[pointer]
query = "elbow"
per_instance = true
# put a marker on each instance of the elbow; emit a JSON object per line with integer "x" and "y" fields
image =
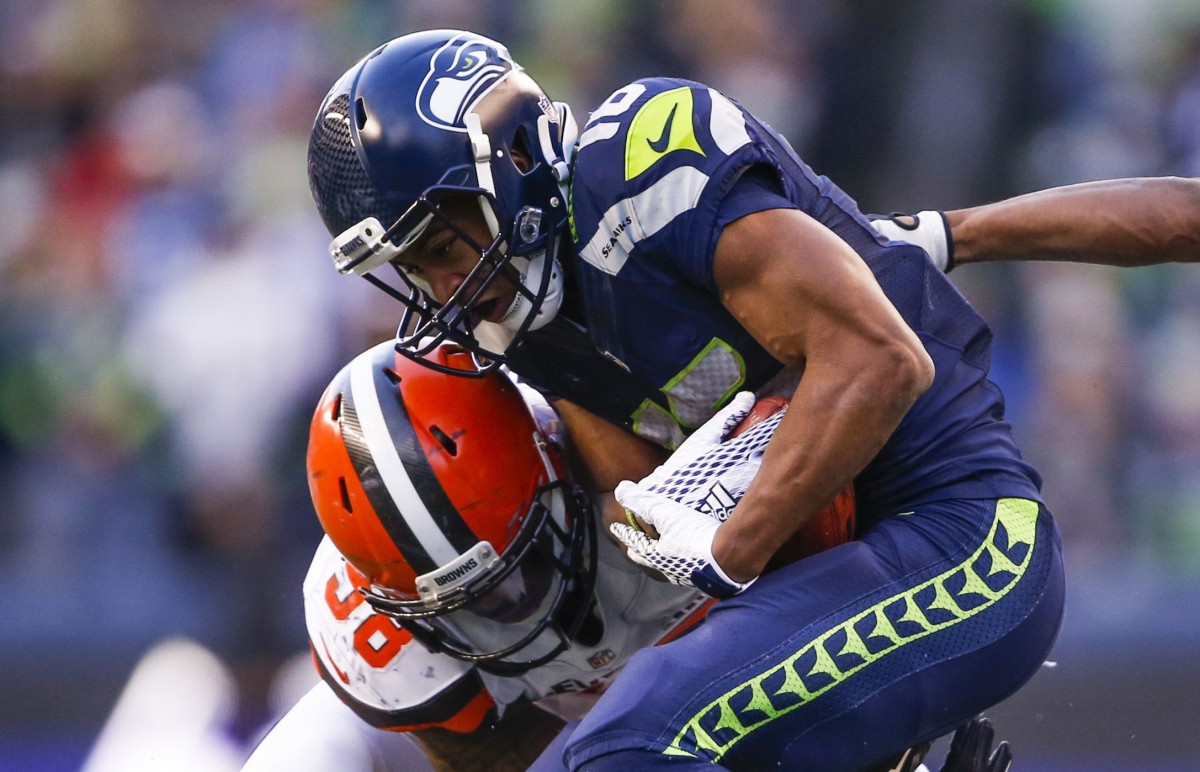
{"x": 1178, "y": 224}
{"x": 909, "y": 371}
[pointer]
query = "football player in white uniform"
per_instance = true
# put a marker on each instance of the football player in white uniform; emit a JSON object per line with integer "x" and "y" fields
{"x": 461, "y": 579}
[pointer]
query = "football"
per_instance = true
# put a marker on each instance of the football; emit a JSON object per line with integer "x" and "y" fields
{"x": 762, "y": 410}
{"x": 832, "y": 526}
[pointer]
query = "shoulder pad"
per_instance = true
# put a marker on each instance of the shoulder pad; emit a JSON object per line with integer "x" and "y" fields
{"x": 646, "y": 158}
{"x": 374, "y": 666}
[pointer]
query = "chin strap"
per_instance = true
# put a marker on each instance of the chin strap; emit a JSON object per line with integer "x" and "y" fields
{"x": 557, "y": 145}
{"x": 568, "y": 138}
{"x": 481, "y": 148}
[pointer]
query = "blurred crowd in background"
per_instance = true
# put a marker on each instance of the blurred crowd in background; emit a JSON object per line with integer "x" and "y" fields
{"x": 169, "y": 314}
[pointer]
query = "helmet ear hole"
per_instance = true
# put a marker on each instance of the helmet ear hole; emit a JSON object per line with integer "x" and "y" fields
{"x": 445, "y": 440}
{"x": 360, "y": 113}
{"x": 522, "y": 155}
{"x": 345, "y": 495}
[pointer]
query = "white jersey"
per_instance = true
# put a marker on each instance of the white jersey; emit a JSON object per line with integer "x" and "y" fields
{"x": 394, "y": 682}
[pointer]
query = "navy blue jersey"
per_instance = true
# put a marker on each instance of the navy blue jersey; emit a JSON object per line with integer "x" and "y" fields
{"x": 651, "y": 192}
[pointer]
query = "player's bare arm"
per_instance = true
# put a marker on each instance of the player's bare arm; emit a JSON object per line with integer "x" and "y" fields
{"x": 1125, "y": 222}
{"x": 508, "y": 745}
{"x": 807, "y": 297}
{"x": 606, "y": 454}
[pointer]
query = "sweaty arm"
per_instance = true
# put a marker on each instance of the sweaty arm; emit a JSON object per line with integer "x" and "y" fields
{"x": 811, "y": 301}
{"x": 1125, "y": 222}
{"x": 604, "y": 454}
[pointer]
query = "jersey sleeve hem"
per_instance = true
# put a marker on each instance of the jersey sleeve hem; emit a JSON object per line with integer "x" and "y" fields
{"x": 463, "y": 706}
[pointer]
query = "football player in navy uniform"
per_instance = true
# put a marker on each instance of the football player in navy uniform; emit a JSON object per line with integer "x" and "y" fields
{"x": 642, "y": 273}
{"x": 464, "y": 605}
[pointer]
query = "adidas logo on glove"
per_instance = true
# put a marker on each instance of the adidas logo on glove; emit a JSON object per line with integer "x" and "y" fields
{"x": 718, "y": 503}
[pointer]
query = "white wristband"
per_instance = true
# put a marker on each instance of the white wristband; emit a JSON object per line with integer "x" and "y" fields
{"x": 927, "y": 231}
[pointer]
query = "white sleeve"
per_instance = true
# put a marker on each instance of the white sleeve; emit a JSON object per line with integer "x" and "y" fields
{"x": 320, "y": 734}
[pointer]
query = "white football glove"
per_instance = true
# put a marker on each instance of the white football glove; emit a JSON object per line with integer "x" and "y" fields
{"x": 928, "y": 230}
{"x": 714, "y": 481}
{"x": 704, "y": 439}
{"x": 691, "y": 494}
{"x": 683, "y": 551}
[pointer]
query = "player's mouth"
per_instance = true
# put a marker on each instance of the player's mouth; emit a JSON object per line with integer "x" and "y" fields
{"x": 494, "y": 310}
{"x": 485, "y": 310}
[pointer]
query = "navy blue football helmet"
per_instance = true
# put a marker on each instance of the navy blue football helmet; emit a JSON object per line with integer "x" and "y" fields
{"x": 426, "y": 117}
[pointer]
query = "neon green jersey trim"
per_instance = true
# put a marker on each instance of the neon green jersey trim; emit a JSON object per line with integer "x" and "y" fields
{"x": 1018, "y": 517}
{"x": 663, "y": 125}
{"x": 693, "y": 394}
{"x": 657, "y": 425}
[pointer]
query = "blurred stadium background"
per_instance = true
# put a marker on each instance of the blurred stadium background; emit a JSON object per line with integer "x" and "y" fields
{"x": 168, "y": 317}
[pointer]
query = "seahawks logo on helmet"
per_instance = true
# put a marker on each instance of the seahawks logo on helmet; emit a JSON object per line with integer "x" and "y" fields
{"x": 460, "y": 74}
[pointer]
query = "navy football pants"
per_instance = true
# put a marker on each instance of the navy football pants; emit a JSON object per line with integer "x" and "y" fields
{"x": 846, "y": 658}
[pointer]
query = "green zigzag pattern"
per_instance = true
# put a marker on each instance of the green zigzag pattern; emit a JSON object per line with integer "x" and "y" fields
{"x": 1019, "y": 518}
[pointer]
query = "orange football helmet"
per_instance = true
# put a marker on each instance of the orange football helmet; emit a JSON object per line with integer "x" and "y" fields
{"x": 451, "y": 497}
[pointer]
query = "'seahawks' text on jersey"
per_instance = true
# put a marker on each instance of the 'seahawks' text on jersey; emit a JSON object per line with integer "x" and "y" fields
{"x": 653, "y": 348}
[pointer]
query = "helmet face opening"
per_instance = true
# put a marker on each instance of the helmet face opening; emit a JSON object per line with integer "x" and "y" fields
{"x": 435, "y": 114}
{"x": 455, "y": 506}
{"x": 521, "y": 593}
{"x": 519, "y": 615}
{"x": 427, "y": 323}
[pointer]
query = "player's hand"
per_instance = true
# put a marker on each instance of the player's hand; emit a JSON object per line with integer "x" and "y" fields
{"x": 971, "y": 749}
{"x": 704, "y": 439}
{"x": 683, "y": 550}
{"x": 710, "y": 473}
{"x": 928, "y": 230}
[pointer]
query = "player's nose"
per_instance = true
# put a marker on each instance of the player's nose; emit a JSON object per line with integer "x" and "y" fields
{"x": 445, "y": 283}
